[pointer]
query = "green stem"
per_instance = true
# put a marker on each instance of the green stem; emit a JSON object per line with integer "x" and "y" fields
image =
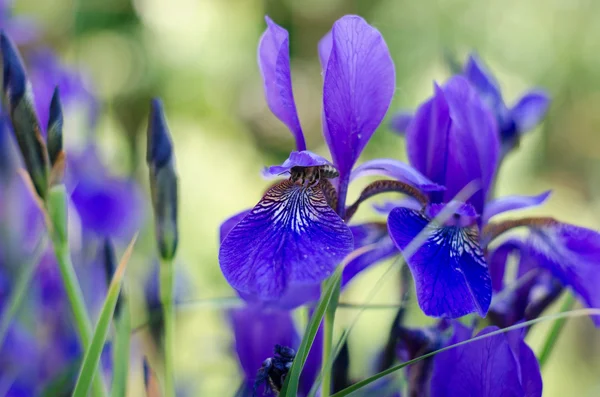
{"x": 166, "y": 297}
{"x": 57, "y": 211}
{"x": 554, "y": 333}
{"x": 328, "y": 321}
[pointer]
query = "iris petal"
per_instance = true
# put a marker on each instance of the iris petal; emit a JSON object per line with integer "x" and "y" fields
{"x": 304, "y": 158}
{"x": 486, "y": 368}
{"x": 274, "y": 63}
{"x": 571, "y": 253}
{"x": 530, "y": 110}
{"x": 291, "y": 236}
{"x": 484, "y": 82}
{"x": 450, "y": 272}
{"x": 510, "y": 203}
{"x": 398, "y": 170}
{"x": 358, "y": 87}
{"x": 453, "y": 140}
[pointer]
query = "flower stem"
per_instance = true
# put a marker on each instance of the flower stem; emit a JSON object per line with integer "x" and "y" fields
{"x": 57, "y": 211}
{"x": 327, "y": 347}
{"x": 166, "y": 297}
{"x": 555, "y": 331}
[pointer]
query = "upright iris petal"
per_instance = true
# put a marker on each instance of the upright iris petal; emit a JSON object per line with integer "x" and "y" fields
{"x": 449, "y": 269}
{"x": 274, "y": 63}
{"x": 514, "y": 122}
{"x": 453, "y": 141}
{"x": 358, "y": 87}
{"x": 291, "y": 237}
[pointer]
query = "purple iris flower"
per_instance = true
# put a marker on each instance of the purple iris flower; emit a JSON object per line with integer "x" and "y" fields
{"x": 453, "y": 140}
{"x": 500, "y": 365}
{"x": 512, "y": 122}
{"x": 256, "y": 333}
{"x": 296, "y": 235}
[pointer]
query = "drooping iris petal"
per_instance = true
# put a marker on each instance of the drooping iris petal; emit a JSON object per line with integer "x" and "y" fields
{"x": 229, "y": 224}
{"x": 509, "y": 203}
{"x": 398, "y": 170}
{"x": 530, "y": 110}
{"x": 256, "y": 333}
{"x": 290, "y": 237}
{"x": 294, "y": 296}
{"x": 274, "y": 63}
{"x": 304, "y": 158}
{"x": 358, "y": 88}
{"x": 373, "y": 234}
{"x": 401, "y": 121}
{"x": 571, "y": 253}
{"x": 529, "y": 367}
{"x": 449, "y": 270}
{"x": 486, "y": 368}
{"x": 498, "y": 259}
{"x": 453, "y": 140}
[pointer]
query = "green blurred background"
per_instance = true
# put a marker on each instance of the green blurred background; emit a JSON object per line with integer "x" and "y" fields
{"x": 200, "y": 57}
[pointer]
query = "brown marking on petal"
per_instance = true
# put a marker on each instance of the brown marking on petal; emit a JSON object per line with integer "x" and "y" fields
{"x": 385, "y": 186}
{"x": 493, "y": 230}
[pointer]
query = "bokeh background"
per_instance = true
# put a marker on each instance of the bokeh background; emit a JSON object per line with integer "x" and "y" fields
{"x": 199, "y": 56}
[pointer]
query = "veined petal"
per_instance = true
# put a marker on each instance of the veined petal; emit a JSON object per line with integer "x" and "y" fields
{"x": 398, "y": 170}
{"x": 401, "y": 121}
{"x": 449, "y": 270}
{"x": 510, "y": 203}
{"x": 529, "y": 368}
{"x": 359, "y": 85}
{"x": 290, "y": 237}
{"x": 453, "y": 140}
{"x": 530, "y": 110}
{"x": 274, "y": 63}
{"x": 230, "y": 223}
{"x": 572, "y": 254}
{"x": 374, "y": 234}
{"x": 304, "y": 158}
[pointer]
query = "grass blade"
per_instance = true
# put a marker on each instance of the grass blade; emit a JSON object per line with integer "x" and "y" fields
{"x": 359, "y": 385}
{"x": 290, "y": 387}
{"x": 121, "y": 351}
{"x": 94, "y": 351}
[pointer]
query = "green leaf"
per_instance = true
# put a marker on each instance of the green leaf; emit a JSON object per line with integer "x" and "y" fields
{"x": 94, "y": 351}
{"x": 290, "y": 387}
{"x": 121, "y": 351}
{"x": 363, "y": 383}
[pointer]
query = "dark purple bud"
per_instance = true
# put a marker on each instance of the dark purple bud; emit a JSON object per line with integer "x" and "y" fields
{"x": 109, "y": 261}
{"x": 54, "y": 140}
{"x": 163, "y": 181}
{"x": 18, "y": 99}
{"x": 341, "y": 369}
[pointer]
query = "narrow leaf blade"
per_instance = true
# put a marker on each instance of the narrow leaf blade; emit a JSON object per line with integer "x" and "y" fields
{"x": 94, "y": 351}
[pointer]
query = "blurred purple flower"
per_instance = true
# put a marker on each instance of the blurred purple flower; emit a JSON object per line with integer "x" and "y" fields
{"x": 500, "y": 365}
{"x": 293, "y": 237}
{"x": 22, "y": 29}
{"x": 107, "y": 205}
